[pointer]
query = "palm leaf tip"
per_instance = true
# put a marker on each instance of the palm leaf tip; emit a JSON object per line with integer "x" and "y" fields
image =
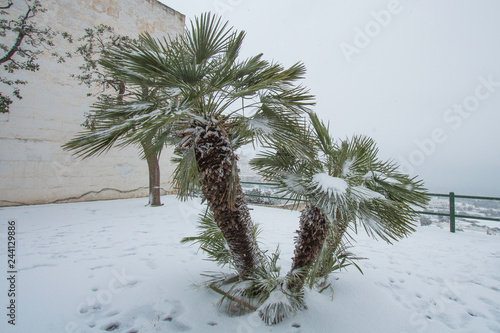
{"x": 279, "y": 305}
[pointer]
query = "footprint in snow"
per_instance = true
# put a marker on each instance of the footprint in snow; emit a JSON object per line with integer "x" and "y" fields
{"x": 113, "y": 326}
{"x": 100, "y": 266}
{"x": 128, "y": 254}
{"x": 168, "y": 311}
{"x": 35, "y": 266}
{"x": 150, "y": 263}
{"x": 112, "y": 313}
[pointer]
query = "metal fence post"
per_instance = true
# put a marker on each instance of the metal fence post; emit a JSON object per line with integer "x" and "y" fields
{"x": 452, "y": 212}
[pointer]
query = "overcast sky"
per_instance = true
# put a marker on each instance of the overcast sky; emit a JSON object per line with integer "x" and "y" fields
{"x": 422, "y": 77}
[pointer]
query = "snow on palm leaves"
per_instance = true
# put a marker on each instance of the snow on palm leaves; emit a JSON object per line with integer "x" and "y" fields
{"x": 345, "y": 186}
{"x": 215, "y": 104}
{"x": 221, "y": 103}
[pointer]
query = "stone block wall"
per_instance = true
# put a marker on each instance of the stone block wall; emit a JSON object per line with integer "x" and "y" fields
{"x": 33, "y": 167}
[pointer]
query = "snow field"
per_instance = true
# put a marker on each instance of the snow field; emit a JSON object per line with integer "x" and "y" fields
{"x": 119, "y": 266}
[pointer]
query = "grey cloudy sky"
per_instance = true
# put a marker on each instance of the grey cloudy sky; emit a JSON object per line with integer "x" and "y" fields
{"x": 421, "y": 77}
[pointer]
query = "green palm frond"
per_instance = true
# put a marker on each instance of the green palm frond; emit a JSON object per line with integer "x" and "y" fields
{"x": 287, "y": 167}
{"x": 270, "y": 287}
{"x": 271, "y": 126}
{"x": 186, "y": 174}
{"x": 209, "y": 36}
{"x": 346, "y": 180}
{"x": 265, "y": 289}
{"x": 352, "y": 158}
{"x": 198, "y": 77}
{"x": 211, "y": 239}
{"x": 122, "y": 124}
{"x": 332, "y": 258}
{"x": 325, "y": 142}
{"x": 279, "y": 305}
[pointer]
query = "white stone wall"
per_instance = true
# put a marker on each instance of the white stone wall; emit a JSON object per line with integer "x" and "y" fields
{"x": 33, "y": 167}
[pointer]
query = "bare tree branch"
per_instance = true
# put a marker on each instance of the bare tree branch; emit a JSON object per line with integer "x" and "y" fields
{"x": 19, "y": 39}
{"x": 8, "y": 6}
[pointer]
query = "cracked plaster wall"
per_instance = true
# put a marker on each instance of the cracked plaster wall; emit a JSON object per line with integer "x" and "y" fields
{"x": 33, "y": 167}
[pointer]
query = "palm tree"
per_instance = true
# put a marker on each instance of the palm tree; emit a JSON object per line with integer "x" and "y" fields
{"x": 345, "y": 185}
{"x": 111, "y": 122}
{"x": 95, "y": 139}
{"x": 216, "y": 104}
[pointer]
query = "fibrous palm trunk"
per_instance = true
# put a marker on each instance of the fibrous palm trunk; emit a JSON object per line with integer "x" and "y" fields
{"x": 222, "y": 190}
{"x": 308, "y": 243}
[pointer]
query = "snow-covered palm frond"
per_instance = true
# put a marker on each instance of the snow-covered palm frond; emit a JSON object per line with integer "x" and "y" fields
{"x": 122, "y": 124}
{"x": 284, "y": 169}
{"x": 276, "y": 300}
{"x": 203, "y": 65}
{"x": 332, "y": 258}
{"x": 266, "y": 289}
{"x": 251, "y": 100}
{"x": 372, "y": 193}
{"x": 387, "y": 180}
{"x": 279, "y": 305}
{"x": 211, "y": 239}
{"x": 392, "y": 211}
{"x": 330, "y": 194}
{"x": 186, "y": 170}
{"x": 351, "y": 187}
{"x": 388, "y": 219}
{"x": 291, "y": 168}
{"x": 352, "y": 158}
{"x": 268, "y": 126}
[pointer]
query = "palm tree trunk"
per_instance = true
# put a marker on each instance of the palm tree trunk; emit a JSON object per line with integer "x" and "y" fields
{"x": 221, "y": 187}
{"x": 153, "y": 161}
{"x": 308, "y": 243}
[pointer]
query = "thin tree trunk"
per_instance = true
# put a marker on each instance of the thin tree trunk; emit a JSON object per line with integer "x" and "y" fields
{"x": 308, "y": 244}
{"x": 221, "y": 187}
{"x": 154, "y": 180}
{"x": 153, "y": 160}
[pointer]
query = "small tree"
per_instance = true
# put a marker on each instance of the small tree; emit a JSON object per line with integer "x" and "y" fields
{"x": 125, "y": 96}
{"x": 22, "y": 41}
{"x": 345, "y": 186}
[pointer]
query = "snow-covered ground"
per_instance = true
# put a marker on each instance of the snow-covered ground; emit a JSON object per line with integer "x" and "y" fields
{"x": 118, "y": 266}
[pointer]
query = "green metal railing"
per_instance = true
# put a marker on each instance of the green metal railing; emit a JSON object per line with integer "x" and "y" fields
{"x": 452, "y": 212}
{"x": 451, "y": 198}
